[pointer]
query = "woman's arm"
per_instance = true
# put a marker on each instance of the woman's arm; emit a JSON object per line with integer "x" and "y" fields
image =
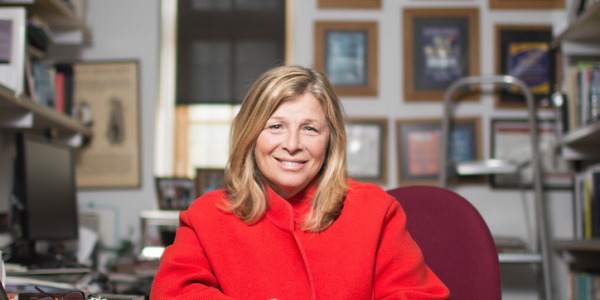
{"x": 184, "y": 271}
{"x": 400, "y": 271}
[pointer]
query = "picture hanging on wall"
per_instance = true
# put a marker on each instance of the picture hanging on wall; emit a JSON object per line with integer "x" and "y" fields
{"x": 527, "y": 4}
{"x": 347, "y": 53}
{"x": 362, "y": 4}
{"x": 419, "y": 149}
{"x": 523, "y": 51}
{"x": 440, "y": 46}
{"x": 367, "y": 149}
{"x": 109, "y": 90}
{"x": 511, "y": 141}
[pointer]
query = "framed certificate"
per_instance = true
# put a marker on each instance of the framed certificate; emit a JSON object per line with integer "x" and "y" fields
{"x": 511, "y": 141}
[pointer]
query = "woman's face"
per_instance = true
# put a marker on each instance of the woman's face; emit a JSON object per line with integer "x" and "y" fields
{"x": 292, "y": 146}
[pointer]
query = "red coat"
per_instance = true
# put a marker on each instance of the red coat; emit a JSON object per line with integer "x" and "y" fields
{"x": 365, "y": 254}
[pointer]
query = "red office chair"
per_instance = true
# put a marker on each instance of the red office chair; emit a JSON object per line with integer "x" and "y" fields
{"x": 455, "y": 241}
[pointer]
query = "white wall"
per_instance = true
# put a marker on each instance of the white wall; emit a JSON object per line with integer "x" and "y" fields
{"x": 130, "y": 29}
{"x": 126, "y": 30}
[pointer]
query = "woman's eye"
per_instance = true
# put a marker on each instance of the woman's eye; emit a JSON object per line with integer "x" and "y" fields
{"x": 276, "y": 126}
{"x": 310, "y": 128}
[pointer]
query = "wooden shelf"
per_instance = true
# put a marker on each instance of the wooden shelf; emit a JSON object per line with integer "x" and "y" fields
{"x": 592, "y": 245}
{"x": 21, "y": 113}
{"x": 66, "y": 27}
{"x": 583, "y": 255}
{"x": 582, "y": 143}
{"x": 585, "y": 28}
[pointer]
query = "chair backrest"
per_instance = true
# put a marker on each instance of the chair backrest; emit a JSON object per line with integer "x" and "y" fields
{"x": 455, "y": 240}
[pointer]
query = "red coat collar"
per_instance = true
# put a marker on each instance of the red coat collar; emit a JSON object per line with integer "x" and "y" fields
{"x": 280, "y": 211}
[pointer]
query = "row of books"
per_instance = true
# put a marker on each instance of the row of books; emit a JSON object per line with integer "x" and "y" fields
{"x": 581, "y": 105}
{"x": 584, "y": 286}
{"x": 50, "y": 84}
{"x": 586, "y": 201}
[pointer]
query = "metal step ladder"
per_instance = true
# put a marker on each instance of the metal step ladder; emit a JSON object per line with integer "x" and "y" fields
{"x": 489, "y": 167}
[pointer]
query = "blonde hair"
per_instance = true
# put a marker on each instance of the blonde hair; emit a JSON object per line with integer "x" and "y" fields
{"x": 244, "y": 183}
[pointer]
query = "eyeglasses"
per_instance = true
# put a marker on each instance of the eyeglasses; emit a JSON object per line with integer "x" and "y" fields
{"x": 75, "y": 295}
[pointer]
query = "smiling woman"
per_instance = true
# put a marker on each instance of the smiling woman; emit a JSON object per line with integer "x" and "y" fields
{"x": 288, "y": 204}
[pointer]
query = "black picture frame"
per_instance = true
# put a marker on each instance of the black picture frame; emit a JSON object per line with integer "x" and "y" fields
{"x": 175, "y": 193}
{"x": 524, "y": 51}
{"x": 510, "y": 140}
{"x": 208, "y": 180}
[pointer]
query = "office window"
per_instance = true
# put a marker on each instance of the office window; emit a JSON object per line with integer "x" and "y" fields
{"x": 211, "y": 52}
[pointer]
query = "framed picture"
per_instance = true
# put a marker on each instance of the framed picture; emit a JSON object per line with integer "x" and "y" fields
{"x": 527, "y": 4}
{"x": 511, "y": 141}
{"x": 523, "y": 51}
{"x": 110, "y": 92}
{"x": 349, "y": 3}
{"x": 347, "y": 53}
{"x": 419, "y": 149}
{"x": 208, "y": 180}
{"x": 440, "y": 46}
{"x": 367, "y": 149}
{"x": 174, "y": 193}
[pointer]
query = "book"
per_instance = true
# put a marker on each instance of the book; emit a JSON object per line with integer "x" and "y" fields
{"x": 38, "y": 33}
{"x": 66, "y": 71}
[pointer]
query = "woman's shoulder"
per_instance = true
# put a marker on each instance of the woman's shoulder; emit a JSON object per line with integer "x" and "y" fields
{"x": 361, "y": 191}
{"x": 209, "y": 201}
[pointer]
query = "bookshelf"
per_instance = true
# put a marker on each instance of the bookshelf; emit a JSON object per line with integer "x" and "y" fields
{"x": 67, "y": 27}
{"x": 580, "y": 41}
{"x": 21, "y": 113}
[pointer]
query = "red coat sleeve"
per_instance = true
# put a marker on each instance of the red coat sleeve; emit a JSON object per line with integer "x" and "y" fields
{"x": 400, "y": 271}
{"x": 184, "y": 271}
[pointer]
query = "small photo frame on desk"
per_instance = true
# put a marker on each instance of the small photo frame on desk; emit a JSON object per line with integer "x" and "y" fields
{"x": 366, "y": 149}
{"x": 347, "y": 53}
{"x": 419, "y": 149}
{"x": 511, "y": 141}
{"x": 175, "y": 193}
{"x": 523, "y": 51}
{"x": 208, "y": 180}
{"x": 440, "y": 46}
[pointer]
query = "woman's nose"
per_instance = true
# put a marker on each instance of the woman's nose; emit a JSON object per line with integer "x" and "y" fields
{"x": 292, "y": 141}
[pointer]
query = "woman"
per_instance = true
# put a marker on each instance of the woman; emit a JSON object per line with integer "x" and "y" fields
{"x": 289, "y": 224}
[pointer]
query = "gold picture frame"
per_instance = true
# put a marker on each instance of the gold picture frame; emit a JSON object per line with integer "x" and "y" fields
{"x": 347, "y": 53}
{"x": 366, "y": 151}
{"x": 360, "y": 4}
{"x": 418, "y": 148}
{"x": 110, "y": 92}
{"x": 440, "y": 46}
{"x": 527, "y": 4}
